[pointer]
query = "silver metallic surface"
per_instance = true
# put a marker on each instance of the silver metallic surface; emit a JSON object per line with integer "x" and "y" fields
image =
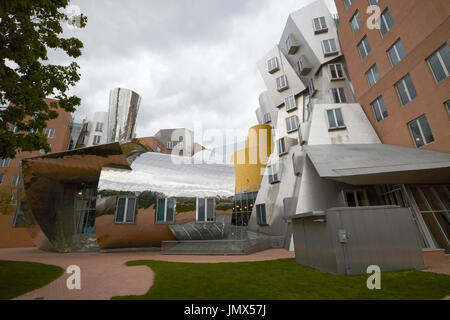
{"x": 123, "y": 110}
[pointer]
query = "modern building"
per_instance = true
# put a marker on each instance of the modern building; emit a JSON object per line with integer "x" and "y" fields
{"x": 94, "y": 130}
{"x": 400, "y": 69}
{"x": 311, "y": 105}
{"x": 123, "y": 110}
{"x": 11, "y": 183}
{"x": 179, "y": 141}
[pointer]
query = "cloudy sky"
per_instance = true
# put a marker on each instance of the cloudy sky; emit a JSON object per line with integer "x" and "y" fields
{"x": 190, "y": 60}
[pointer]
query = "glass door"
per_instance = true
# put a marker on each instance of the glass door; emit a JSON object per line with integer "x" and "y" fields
{"x": 85, "y": 203}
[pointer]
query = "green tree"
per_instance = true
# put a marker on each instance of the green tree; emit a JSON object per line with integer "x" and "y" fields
{"x": 28, "y": 29}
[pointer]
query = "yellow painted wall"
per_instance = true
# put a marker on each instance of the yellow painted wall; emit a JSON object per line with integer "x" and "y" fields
{"x": 251, "y": 162}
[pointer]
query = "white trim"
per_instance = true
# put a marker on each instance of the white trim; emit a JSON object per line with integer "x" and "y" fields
{"x": 206, "y": 210}
{"x": 125, "y": 210}
{"x": 334, "y": 66}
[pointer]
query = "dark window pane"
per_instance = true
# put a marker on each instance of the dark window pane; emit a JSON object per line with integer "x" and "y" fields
{"x": 170, "y": 210}
{"x": 212, "y": 209}
{"x": 376, "y": 110}
{"x": 340, "y": 119}
{"x": 437, "y": 67}
{"x": 350, "y": 197}
{"x": 445, "y": 55}
{"x": 415, "y": 131}
{"x": 160, "y": 210}
{"x": 201, "y": 209}
{"x": 120, "y": 210}
{"x": 331, "y": 120}
{"x": 410, "y": 86}
{"x": 131, "y": 210}
{"x": 426, "y": 130}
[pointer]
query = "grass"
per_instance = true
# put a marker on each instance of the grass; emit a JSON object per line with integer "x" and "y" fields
{"x": 282, "y": 280}
{"x": 18, "y": 278}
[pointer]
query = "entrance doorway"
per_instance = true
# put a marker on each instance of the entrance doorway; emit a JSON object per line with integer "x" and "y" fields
{"x": 85, "y": 202}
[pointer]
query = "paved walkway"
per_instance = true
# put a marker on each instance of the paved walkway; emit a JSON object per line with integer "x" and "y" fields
{"x": 104, "y": 275}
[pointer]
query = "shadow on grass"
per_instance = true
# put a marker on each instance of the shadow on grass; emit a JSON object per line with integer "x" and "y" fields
{"x": 282, "y": 280}
{"x": 18, "y": 278}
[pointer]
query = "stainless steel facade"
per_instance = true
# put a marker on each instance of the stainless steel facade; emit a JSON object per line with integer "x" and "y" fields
{"x": 123, "y": 110}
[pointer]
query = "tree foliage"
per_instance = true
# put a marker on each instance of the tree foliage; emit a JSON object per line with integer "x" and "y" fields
{"x": 28, "y": 30}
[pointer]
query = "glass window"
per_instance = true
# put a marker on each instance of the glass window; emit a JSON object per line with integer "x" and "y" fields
{"x": 364, "y": 48}
{"x": 379, "y": 108}
{"x": 282, "y": 146}
{"x": 439, "y": 63}
{"x": 261, "y": 217}
{"x": 125, "y": 210}
{"x": 386, "y": 22}
{"x": 348, "y": 3}
{"x": 357, "y": 198}
{"x": 99, "y": 126}
{"x": 19, "y": 163}
{"x": 272, "y": 65}
{"x": 267, "y": 118}
{"x": 97, "y": 140}
{"x": 282, "y": 83}
{"x": 421, "y": 132}
{"x": 273, "y": 173}
{"x": 291, "y": 124}
{"x": 373, "y": 76}
{"x": 447, "y": 105}
{"x": 336, "y": 71}
{"x": 406, "y": 90}
{"x": 15, "y": 180}
{"x": 396, "y": 53}
{"x": 4, "y": 162}
{"x": 320, "y": 24}
{"x": 1, "y": 177}
{"x": 356, "y": 22}
{"x": 373, "y": 2}
{"x": 335, "y": 119}
{"x": 290, "y": 103}
{"x": 166, "y": 211}
{"x": 329, "y": 47}
{"x": 50, "y": 133}
{"x": 201, "y": 205}
{"x": 206, "y": 210}
{"x": 338, "y": 95}
{"x": 311, "y": 87}
{"x": 169, "y": 145}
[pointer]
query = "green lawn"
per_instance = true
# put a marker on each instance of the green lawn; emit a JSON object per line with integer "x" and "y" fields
{"x": 17, "y": 278}
{"x": 282, "y": 280}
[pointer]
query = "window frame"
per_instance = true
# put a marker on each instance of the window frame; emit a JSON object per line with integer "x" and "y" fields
{"x": 322, "y": 28}
{"x": 383, "y": 19}
{"x": 272, "y": 173}
{"x": 367, "y": 49}
{"x": 279, "y": 81}
{"x": 271, "y": 66}
{"x": 282, "y": 151}
{"x": 441, "y": 63}
{"x": 206, "y": 210}
{"x": 5, "y": 162}
{"x": 125, "y": 210}
{"x": 267, "y": 117}
{"x": 96, "y": 141}
{"x": 355, "y": 192}
{"x": 425, "y": 143}
{"x": 404, "y": 83}
{"x": 290, "y": 103}
{"x": 169, "y": 145}
{"x": 2, "y": 175}
{"x": 99, "y": 127}
{"x": 356, "y": 18}
{"x": 50, "y": 133}
{"x": 288, "y": 123}
{"x": 348, "y": 3}
{"x": 259, "y": 221}
{"x": 334, "y": 65}
{"x": 311, "y": 87}
{"x": 15, "y": 181}
{"x": 166, "y": 205}
{"x": 376, "y": 104}
{"x": 331, "y": 53}
{"x": 447, "y": 106}
{"x": 337, "y": 127}
{"x": 371, "y": 72}
{"x": 394, "y": 49}
{"x": 340, "y": 94}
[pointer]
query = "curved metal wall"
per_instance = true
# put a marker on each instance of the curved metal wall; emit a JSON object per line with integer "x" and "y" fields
{"x": 123, "y": 110}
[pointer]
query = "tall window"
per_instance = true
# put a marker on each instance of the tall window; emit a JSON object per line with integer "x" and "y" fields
{"x": 267, "y": 118}
{"x": 335, "y": 119}
{"x": 439, "y": 63}
{"x": 1, "y": 178}
{"x": 97, "y": 140}
{"x": 338, "y": 95}
{"x": 282, "y": 83}
{"x": 329, "y": 47}
{"x": 356, "y": 22}
{"x": 273, "y": 173}
{"x": 356, "y": 198}
{"x": 5, "y": 162}
{"x": 348, "y": 3}
{"x": 15, "y": 180}
{"x": 406, "y": 90}
{"x": 379, "y": 108}
{"x": 311, "y": 87}
{"x": 282, "y": 146}
{"x": 206, "y": 210}
{"x": 272, "y": 65}
{"x": 291, "y": 124}
{"x": 99, "y": 127}
{"x": 291, "y": 45}
{"x": 373, "y": 2}
{"x": 290, "y": 103}
{"x": 165, "y": 211}
{"x": 261, "y": 217}
{"x": 364, "y": 48}
{"x": 421, "y": 131}
{"x": 169, "y": 145}
{"x": 50, "y": 133}
{"x": 336, "y": 71}
{"x": 125, "y": 210}
{"x": 320, "y": 24}
{"x": 373, "y": 76}
{"x": 386, "y": 22}
{"x": 396, "y": 53}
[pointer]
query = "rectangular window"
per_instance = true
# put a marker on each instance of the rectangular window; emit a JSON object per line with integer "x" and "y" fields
{"x": 267, "y": 118}
{"x": 15, "y": 180}
{"x": 206, "y": 210}
{"x": 447, "y": 105}
{"x": 364, "y": 47}
{"x": 335, "y": 119}
{"x": 311, "y": 87}
{"x": 356, "y": 198}
{"x": 348, "y": 4}
{"x": 50, "y": 133}
{"x": 4, "y": 162}
{"x": 273, "y": 173}
{"x": 338, "y": 95}
{"x": 301, "y": 65}
{"x": 356, "y": 22}
{"x": 336, "y": 71}
{"x": 373, "y": 76}
{"x": 97, "y": 140}
{"x": 125, "y": 210}
{"x": 261, "y": 218}
{"x": 320, "y": 25}
{"x": 373, "y": 2}
{"x": 99, "y": 127}
{"x": 439, "y": 63}
{"x": 386, "y": 22}
{"x": 396, "y": 53}
{"x": 272, "y": 65}
{"x": 282, "y": 83}
{"x": 406, "y": 90}
{"x": 1, "y": 178}
{"x": 379, "y": 108}
{"x": 169, "y": 145}
{"x": 282, "y": 146}
{"x": 421, "y": 132}
{"x": 166, "y": 211}
{"x": 291, "y": 124}
{"x": 329, "y": 47}
{"x": 290, "y": 103}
